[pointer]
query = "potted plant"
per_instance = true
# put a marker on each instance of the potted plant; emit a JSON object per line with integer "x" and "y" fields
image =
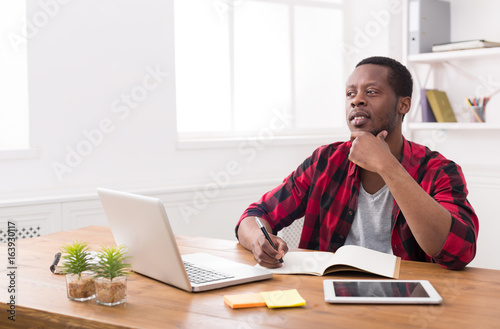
{"x": 111, "y": 275}
{"x": 77, "y": 265}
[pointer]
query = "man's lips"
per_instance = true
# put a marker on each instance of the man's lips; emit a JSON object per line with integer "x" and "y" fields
{"x": 359, "y": 118}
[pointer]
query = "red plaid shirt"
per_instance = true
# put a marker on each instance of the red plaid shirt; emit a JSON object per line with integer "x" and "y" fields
{"x": 324, "y": 190}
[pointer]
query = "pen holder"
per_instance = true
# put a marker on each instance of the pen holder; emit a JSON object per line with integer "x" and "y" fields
{"x": 477, "y": 113}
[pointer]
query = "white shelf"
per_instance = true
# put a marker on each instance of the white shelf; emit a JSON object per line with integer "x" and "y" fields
{"x": 427, "y": 58}
{"x": 449, "y": 56}
{"x": 453, "y": 126}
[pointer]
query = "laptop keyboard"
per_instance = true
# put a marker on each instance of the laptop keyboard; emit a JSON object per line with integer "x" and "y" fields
{"x": 199, "y": 275}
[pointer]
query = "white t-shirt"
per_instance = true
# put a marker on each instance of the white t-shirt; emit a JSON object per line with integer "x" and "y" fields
{"x": 371, "y": 227}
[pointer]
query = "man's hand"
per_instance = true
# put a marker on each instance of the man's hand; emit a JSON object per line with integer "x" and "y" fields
{"x": 368, "y": 151}
{"x": 265, "y": 254}
{"x": 252, "y": 238}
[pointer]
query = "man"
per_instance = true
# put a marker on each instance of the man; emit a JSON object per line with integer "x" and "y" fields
{"x": 377, "y": 190}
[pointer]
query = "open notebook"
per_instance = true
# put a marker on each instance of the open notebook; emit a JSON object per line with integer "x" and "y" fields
{"x": 141, "y": 224}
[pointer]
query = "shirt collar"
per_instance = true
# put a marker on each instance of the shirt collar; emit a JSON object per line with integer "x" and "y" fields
{"x": 407, "y": 158}
{"x": 353, "y": 169}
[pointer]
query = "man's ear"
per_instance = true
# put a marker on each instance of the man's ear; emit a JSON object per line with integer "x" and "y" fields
{"x": 404, "y": 105}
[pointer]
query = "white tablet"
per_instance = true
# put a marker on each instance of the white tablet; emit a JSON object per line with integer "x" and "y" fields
{"x": 380, "y": 292}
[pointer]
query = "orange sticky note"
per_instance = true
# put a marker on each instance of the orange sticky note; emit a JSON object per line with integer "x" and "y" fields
{"x": 245, "y": 300}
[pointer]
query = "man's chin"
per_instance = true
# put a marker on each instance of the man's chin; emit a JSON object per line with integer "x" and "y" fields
{"x": 372, "y": 131}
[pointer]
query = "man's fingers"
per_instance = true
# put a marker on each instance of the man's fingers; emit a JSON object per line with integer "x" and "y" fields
{"x": 265, "y": 254}
{"x": 382, "y": 135}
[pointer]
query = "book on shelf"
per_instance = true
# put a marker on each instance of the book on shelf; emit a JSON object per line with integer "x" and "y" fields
{"x": 463, "y": 45}
{"x": 440, "y": 105}
{"x": 346, "y": 258}
{"x": 427, "y": 115}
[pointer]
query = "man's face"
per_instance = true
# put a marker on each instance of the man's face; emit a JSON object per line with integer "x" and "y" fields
{"x": 371, "y": 104}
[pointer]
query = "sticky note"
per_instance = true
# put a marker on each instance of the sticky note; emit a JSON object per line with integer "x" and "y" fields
{"x": 245, "y": 300}
{"x": 283, "y": 298}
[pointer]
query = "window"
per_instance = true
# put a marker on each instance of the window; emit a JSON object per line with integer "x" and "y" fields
{"x": 14, "y": 119}
{"x": 240, "y": 64}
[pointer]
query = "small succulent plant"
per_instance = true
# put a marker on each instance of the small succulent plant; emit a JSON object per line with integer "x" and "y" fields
{"x": 76, "y": 258}
{"x": 112, "y": 262}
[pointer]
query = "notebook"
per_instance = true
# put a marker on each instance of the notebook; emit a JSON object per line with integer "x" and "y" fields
{"x": 141, "y": 224}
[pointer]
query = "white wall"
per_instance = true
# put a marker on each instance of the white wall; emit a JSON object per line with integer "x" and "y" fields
{"x": 372, "y": 28}
{"x": 485, "y": 27}
{"x": 90, "y": 53}
{"x": 82, "y": 61}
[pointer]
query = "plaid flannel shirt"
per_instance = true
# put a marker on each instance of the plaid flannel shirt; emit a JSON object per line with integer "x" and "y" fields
{"x": 324, "y": 190}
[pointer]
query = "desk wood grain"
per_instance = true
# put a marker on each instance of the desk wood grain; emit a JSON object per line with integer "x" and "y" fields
{"x": 470, "y": 297}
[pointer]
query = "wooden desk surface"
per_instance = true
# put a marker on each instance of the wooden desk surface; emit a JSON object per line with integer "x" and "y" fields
{"x": 470, "y": 297}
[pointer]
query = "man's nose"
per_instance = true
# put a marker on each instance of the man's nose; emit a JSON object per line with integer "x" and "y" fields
{"x": 359, "y": 100}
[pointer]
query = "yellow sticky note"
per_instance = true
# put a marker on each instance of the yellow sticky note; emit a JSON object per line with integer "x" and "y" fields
{"x": 245, "y": 300}
{"x": 283, "y": 298}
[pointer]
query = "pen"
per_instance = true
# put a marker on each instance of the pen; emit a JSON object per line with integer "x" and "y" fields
{"x": 57, "y": 257}
{"x": 268, "y": 238}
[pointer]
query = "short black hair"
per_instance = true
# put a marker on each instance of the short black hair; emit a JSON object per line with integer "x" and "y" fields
{"x": 399, "y": 77}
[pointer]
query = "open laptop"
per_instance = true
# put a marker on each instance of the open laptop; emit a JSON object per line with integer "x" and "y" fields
{"x": 141, "y": 224}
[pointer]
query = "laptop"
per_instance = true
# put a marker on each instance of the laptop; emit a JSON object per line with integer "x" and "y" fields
{"x": 141, "y": 224}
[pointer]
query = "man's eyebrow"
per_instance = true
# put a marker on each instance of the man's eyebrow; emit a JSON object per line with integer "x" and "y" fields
{"x": 368, "y": 84}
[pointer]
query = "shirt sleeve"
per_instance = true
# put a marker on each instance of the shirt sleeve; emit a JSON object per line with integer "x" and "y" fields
{"x": 450, "y": 190}
{"x": 286, "y": 202}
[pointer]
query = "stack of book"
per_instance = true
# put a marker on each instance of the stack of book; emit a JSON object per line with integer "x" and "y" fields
{"x": 462, "y": 45}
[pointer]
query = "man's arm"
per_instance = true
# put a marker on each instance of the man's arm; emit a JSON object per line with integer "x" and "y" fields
{"x": 429, "y": 221}
{"x": 291, "y": 196}
{"x": 251, "y": 237}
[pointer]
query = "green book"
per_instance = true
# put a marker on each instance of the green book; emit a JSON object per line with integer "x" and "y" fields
{"x": 440, "y": 105}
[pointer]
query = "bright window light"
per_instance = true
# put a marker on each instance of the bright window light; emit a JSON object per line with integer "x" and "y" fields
{"x": 14, "y": 116}
{"x": 239, "y": 62}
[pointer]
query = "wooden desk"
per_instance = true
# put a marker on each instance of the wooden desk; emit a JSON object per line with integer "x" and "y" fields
{"x": 471, "y": 298}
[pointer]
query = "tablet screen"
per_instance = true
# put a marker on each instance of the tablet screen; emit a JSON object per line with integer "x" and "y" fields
{"x": 379, "y": 289}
